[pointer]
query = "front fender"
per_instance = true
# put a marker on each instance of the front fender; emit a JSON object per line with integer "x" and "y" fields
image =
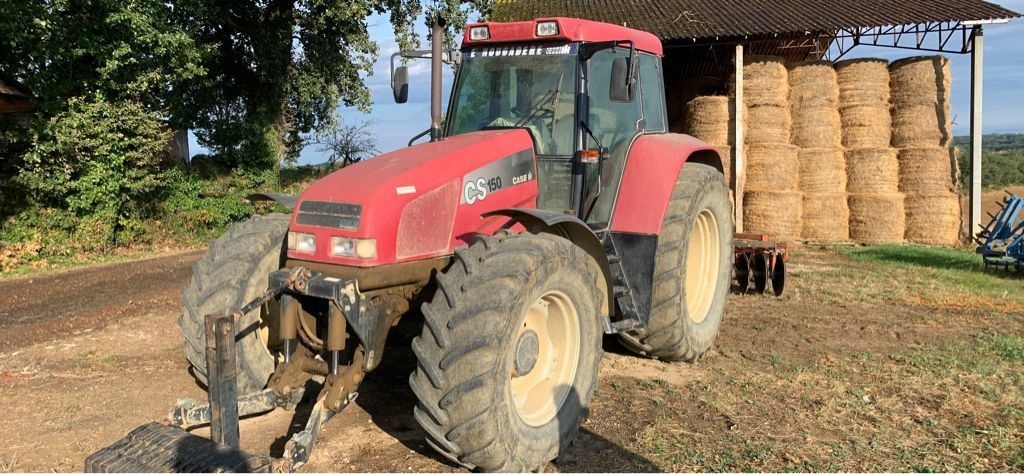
{"x": 568, "y": 227}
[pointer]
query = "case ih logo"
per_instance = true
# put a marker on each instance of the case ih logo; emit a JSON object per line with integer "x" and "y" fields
{"x": 508, "y": 171}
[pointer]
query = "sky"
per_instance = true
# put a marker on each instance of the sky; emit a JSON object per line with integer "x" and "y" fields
{"x": 394, "y": 124}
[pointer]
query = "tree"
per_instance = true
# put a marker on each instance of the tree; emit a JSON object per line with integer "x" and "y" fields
{"x": 347, "y": 144}
{"x": 278, "y": 69}
{"x": 111, "y": 49}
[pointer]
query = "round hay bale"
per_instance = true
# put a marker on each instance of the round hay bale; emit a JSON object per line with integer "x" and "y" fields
{"x": 816, "y": 126}
{"x": 709, "y": 119}
{"x": 921, "y": 80}
{"x": 822, "y": 170}
{"x": 863, "y": 81}
{"x": 777, "y": 214}
{"x": 926, "y": 170}
{"x": 877, "y": 218}
{"x": 825, "y": 218}
{"x": 866, "y": 125}
{"x": 813, "y": 83}
{"x": 920, "y": 126}
{"x": 872, "y": 170}
{"x": 765, "y": 81}
{"x": 933, "y": 219}
{"x": 772, "y": 168}
{"x": 767, "y": 124}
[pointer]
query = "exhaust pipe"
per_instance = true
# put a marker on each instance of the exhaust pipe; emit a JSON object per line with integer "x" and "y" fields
{"x": 436, "y": 45}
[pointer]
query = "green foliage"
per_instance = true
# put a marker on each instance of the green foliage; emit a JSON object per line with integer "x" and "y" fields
{"x": 278, "y": 70}
{"x": 97, "y": 159}
{"x": 115, "y": 49}
{"x": 1002, "y": 161}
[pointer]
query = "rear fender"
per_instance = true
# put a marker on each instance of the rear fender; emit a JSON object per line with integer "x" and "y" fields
{"x": 651, "y": 171}
{"x": 652, "y": 168}
{"x": 568, "y": 227}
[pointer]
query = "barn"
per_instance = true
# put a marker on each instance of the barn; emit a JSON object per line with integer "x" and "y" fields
{"x": 820, "y": 147}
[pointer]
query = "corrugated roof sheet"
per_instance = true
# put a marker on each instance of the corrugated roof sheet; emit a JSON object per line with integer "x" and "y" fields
{"x": 708, "y": 19}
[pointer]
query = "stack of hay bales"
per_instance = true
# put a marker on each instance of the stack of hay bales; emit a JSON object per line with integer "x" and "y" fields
{"x": 813, "y": 100}
{"x": 709, "y": 118}
{"x": 876, "y": 206}
{"x": 772, "y": 200}
{"x": 922, "y": 132}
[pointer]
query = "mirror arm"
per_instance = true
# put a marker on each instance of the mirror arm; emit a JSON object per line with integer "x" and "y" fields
{"x": 419, "y": 136}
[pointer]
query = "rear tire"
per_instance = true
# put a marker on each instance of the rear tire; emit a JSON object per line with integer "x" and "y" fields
{"x": 481, "y": 399}
{"x": 687, "y": 314}
{"x": 234, "y": 271}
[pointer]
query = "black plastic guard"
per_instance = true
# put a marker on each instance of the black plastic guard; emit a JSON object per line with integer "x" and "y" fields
{"x": 632, "y": 267}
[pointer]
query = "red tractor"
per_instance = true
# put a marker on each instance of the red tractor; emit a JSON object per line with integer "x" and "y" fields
{"x": 551, "y": 208}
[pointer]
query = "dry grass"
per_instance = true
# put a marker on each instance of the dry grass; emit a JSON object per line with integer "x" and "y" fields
{"x": 851, "y": 370}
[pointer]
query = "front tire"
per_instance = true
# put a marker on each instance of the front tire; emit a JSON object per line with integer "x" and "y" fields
{"x": 233, "y": 272}
{"x": 508, "y": 357}
{"x": 692, "y": 270}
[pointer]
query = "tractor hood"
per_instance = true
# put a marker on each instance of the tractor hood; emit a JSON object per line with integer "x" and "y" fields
{"x": 418, "y": 202}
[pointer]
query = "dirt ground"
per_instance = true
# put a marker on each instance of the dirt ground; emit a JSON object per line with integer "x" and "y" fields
{"x": 859, "y": 366}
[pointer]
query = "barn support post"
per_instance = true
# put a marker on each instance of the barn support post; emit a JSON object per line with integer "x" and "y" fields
{"x": 737, "y": 142}
{"x": 977, "y": 56}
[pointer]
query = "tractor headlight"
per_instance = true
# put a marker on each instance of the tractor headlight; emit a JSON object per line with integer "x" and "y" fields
{"x": 346, "y": 247}
{"x": 301, "y": 242}
{"x": 479, "y": 33}
{"x": 547, "y": 28}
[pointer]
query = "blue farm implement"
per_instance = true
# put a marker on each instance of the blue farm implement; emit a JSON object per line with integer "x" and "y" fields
{"x": 1001, "y": 242}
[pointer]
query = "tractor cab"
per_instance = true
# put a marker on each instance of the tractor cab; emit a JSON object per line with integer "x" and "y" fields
{"x": 583, "y": 90}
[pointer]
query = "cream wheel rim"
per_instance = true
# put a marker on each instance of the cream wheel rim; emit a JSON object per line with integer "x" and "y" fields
{"x": 703, "y": 258}
{"x": 545, "y": 357}
{"x": 269, "y": 315}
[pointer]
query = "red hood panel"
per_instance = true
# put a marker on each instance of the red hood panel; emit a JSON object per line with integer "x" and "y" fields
{"x": 487, "y": 170}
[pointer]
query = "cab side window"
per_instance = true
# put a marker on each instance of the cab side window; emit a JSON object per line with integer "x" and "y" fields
{"x": 615, "y": 124}
{"x": 652, "y": 93}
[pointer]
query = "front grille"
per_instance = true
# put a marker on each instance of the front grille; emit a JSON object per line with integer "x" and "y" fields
{"x": 338, "y": 215}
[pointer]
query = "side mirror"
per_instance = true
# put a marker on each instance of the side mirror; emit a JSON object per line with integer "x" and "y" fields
{"x": 623, "y": 81}
{"x": 400, "y": 84}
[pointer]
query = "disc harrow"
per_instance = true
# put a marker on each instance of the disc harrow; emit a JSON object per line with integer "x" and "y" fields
{"x": 1001, "y": 242}
{"x": 758, "y": 262}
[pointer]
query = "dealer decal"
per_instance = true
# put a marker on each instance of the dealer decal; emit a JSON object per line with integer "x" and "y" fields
{"x": 510, "y": 171}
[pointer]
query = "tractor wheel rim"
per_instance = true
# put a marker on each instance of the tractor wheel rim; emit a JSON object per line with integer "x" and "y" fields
{"x": 267, "y": 319}
{"x": 703, "y": 258}
{"x": 539, "y": 394}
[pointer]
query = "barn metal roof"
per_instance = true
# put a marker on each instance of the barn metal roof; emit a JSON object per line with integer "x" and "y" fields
{"x": 711, "y": 19}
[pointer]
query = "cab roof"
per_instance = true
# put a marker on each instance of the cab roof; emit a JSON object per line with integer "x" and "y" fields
{"x": 569, "y": 29}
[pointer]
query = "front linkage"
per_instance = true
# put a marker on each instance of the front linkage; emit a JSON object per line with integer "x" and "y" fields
{"x": 166, "y": 447}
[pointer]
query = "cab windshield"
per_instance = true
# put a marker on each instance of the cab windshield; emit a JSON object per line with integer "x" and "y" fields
{"x": 526, "y": 87}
